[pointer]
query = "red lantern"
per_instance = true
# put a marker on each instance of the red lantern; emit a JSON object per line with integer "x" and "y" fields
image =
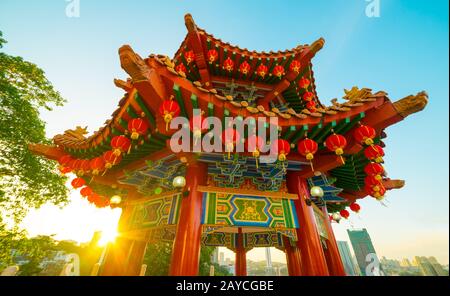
{"x": 86, "y": 191}
{"x": 169, "y": 109}
{"x": 64, "y": 160}
{"x": 93, "y": 198}
{"x": 181, "y": 68}
{"x": 262, "y": 70}
{"x": 244, "y": 68}
{"x": 375, "y": 153}
{"x": 355, "y": 207}
{"x": 120, "y": 144}
{"x": 72, "y": 164}
{"x": 303, "y": 82}
{"x": 83, "y": 166}
{"x": 78, "y": 182}
{"x": 189, "y": 56}
{"x": 137, "y": 127}
{"x": 229, "y": 138}
{"x": 110, "y": 159}
{"x": 311, "y": 106}
{"x": 97, "y": 165}
{"x": 282, "y": 148}
{"x": 64, "y": 170}
{"x": 228, "y": 64}
{"x": 364, "y": 134}
{"x": 336, "y": 143}
{"x": 344, "y": 214}
{"x": 379, "y": 195}
{"x": 212, "y": 55}
{"x": 307, "y": 148}
{"x": 308, "y": 96}
{"x": 197, "y": 127}
{"x": 295, "y": 66}
{"x": 374, "y": 169}
{"x": 278, "y": 71}
{"x": 373, "y": 182}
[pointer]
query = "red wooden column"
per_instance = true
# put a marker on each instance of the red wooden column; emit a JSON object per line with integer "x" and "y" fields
{"x": 241, "y": 258}
{"x": 312, "y": 255}
{"x": 186, "y": 247}
{"x": 335, "y": 265}
{"x": 293, "y": 258}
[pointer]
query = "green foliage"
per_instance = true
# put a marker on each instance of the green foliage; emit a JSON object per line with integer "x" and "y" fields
{"x": 158, "y": 255}
{"x": 26, "y": 180}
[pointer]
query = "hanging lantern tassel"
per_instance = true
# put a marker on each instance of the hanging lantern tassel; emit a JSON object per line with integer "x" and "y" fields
{"x": 230, "y": 147}
{"x": 310, "y": 157}
{"x": 256, "y": 156}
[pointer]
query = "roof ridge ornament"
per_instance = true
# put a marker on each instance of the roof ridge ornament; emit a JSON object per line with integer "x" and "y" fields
{"x": 189, "y": 22}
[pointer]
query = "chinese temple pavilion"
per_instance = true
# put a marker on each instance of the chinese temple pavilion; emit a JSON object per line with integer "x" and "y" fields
{"x": 328, "y": 157}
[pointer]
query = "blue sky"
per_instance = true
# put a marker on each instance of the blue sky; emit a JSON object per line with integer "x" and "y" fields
{"x": 402, "y": 52}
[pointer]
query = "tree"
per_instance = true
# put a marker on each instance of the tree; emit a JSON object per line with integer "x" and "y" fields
{"x": 158, "y": 254}
{"x": 26, "y": 180}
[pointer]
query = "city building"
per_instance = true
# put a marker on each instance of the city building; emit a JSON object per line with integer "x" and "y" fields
{"x": 347, "y": 258}
{"x": 429, "y": 266}
{"x": 366, "y": 256}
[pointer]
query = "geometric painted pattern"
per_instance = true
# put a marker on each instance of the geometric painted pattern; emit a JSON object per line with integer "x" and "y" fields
{"x": 250, "y": 240}
{"x": 242, "y": 210}
{"x": 156, "y": 212}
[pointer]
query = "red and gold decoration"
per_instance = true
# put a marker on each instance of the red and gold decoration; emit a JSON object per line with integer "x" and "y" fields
{"x": 344, "y": 214}
{"x": 295, "y": 66}
{"x": 282, "y": 148}
{"x": 311, "y": 106}
{"x": 181, "y": 68}
{"x": 374, "y": 169}
{"x": 78, "y": 182}
{"x": 137, "y": 127}
{"x": 169, "y": 109}
{"x": 374, "y": 153}
{"x": 228, "y": 64}
{"x": 262, "y": 70}
{"x": 189, "y": 56}
{"x": 120, "y": 144}
{"x": 308, "y": 96}
{"x": 86, "y": 191}
{"x": 97, "y": 165}
{"x": 83, "y": 167}
{"x": 337, "y": 144}
{"x": 278, "y": 71}
{"x": 355, "y": 207}
{"x": 308, "y": 148}
{"x": 303, "y": 83}
{"x": 212, "y": 56}
{"x": 364, "y": 134}
{"x": 244, "y": 68}
{"x": 110, "y": 158}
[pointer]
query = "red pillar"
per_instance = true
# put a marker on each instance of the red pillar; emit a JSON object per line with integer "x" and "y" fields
{"x": 293, "y": 258}
{"x": 312, "y": 255}
{"x": 186, "y": 247}
{"x": 335, "y": 265}
{"x": 241, "y": 258}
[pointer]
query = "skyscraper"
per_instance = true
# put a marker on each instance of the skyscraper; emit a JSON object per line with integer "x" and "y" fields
{"x": 347, "y": 260}
{"x": 429, "y": 266}
{"x": 364, "y": 251}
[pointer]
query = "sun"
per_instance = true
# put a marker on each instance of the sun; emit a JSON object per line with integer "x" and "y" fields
{"x": 107, "y": 236}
